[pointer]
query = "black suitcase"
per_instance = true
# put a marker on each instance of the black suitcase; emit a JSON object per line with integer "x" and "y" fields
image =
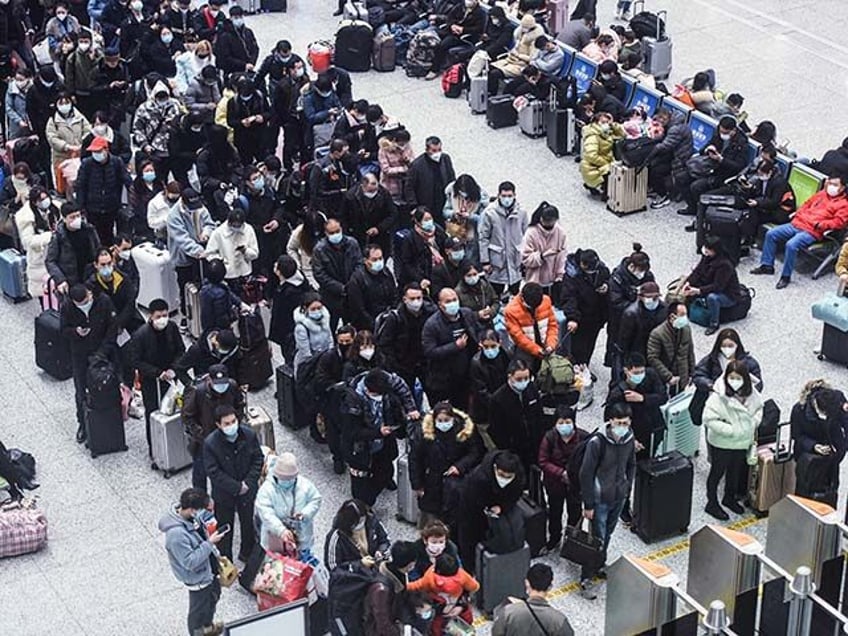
{"x": 52, "y": 350}
{"x": 285, "y": 396}
{"x": 104, "y": 429}
{"x": 500, "y": 575}
{"x": 662, "y": 499}
{"x": 560, "y": 131}
{"x": 500, "y": 112}
{"x": 255, "y": 366}
{"x": 834, "y": 344}
{"x": 274, "y": 6}
{"x": 729, "y": 225}
{"x": 535, "y": 524}
{"x": 354, "y": 44}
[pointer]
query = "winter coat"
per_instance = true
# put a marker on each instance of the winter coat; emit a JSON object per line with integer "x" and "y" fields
{"x": 333, "y": 266}
{"x": 152, "y": 351}
{"x": 200, "y": 356}
{"x": 152, "y": 123}
{"x": 226, "y": 244}
{"x": 834, "y": 162}
{"x": 218, "y": 306}
{"x": 478, "y": 297}
{"x": 235, "y": 48}
{"x": 676, "y": 145}
{"x": 341, "y": 551}
{"x": 808, "y": 429}
{"x": 34, "y": 240}
{"x": 63, "y": 262}
{"x": 311, "y": 336}
{"x": 276, "y": 508}
{"x": 672, "y": 353}
{"x": 16, "y": 113}
{"x": 316, "y": 108}
{"x": 415, "y": 259}
{"x": 185, "y": 229}
{"x": 202, "y": 98}
{"x": 359, "y": 214}
{"x": 730, "y": 424}
{"x": 41, "y": 104}
{"x": 539, "y": 267}
{"x": 597, "y": 155}
{"x": 123, "y": 292}
{"x": 607, "y": 479}
{"x": 523, "y": 50}
{"x": 842, "y": 261}
{"x": 394, "y": 165}
{"x": 200, "y": 403}
{"x": 500, "y": 236}
{"x": 189, "y": 549}
{"x": 99, "y": 185}
{"x": 362, "y": 419}
{"x": 287, "y": 298}
{"x": 80, "y": 71}
{"x": 575, "y": 34}
{"x": 596, "y": 53}
{"x": 715, "y": 275}
{"x": 734, "y": 157}
{"x": 519, "y": 323}
{"x": 486, "y": 377}
{"x": 239, "y": 109}
{"x": 445, "y": 275}
{"x": 368, "y": 295}
{"x": 446, "y": 363}
{"x": 64, "y": 132}
{"x": 515, "y": 421}
{"x": 158, "y": 209}
{"x": 554, "y": 454}
{"x": 100, "y": 322}
{"x": 303, "y": 260}
{"x": 119, "y": 145}
{"x": 623, "y": 289}
{"x": 581, "y": 301}
{"x": 821, "y": 213}
{"x": 188, "y": 67}
{"x": 228, "y": 464}
{"x": 400, "y": 339}
{"x": 710, "y": 368}
{"x": 636, "y": 326}
{"x": 425, "y": 187}
{"x": 647, "y": 417}
{"x": 57, "y": 29}
{"x": 424, "y": 561}
{"x": 464, "y": 227}
{"x": 434, "y": 453}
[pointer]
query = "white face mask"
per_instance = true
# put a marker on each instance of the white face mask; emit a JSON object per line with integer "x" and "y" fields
{"x": 728, "y": 352}
{"x": 367, "y": 353}
{"x": 435, "y": 548}
{"x": 444, "y": 425}
{"x": 503, "y": 482}
{"x": 160, "y": 323}
{"x": 832, "y": 190}
{"x": 84, "y": 46}
{"x": 735, "y": 383}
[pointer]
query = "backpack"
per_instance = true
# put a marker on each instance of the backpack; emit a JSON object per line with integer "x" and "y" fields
{"x": 102, "y": 383}
{"x": 556, "y": 375}
{"x": 564, "y": 92}
{"x": 575, "y": 462}
{"x": 382, "y": 320}
{"x": 346, "y": 598}
{"x": 421, "y": 53}
{"x": 506, "y": 532}
{"x": 633, "y": 153}
{"x": 305, "y": 377}
{"x": 453, "y": 80}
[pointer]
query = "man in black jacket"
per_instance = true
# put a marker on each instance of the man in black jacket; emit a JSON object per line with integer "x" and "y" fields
{"x": 71, "y": 250}
{"x": 429, "y": 175}
{"x": 233, "y": 460}
{"x": 99, "y": 185}
{"x": 639, "y": 319}
{"x": 327, "y": 392}
{"x": 449, "y": 340}
{"x": 219, "y": 346}
{"x": 834, "y": 162}
{"x": 352, "y": 126}
{"x": 285, "y": 296}
{"x": 218, "y": 168}
{"x": 369, "y": 214}
{"x": 330, "y": 179}
{"x": 371, "y": 290}
{"x": 284, "y": 101}
{"x": 267, "y": 217}
{"x": 334, "y": 260}
{"x": 236, "y": 50}
{"x": 122, "y": 291}
{"x": 515, "y": 415}
{"x": 154, "y": 350}
{"x": 88, "y": 323}
{"x": 464, "y": 26}
{"x": 249, "y": 115}
{"x": 111, "y": 84}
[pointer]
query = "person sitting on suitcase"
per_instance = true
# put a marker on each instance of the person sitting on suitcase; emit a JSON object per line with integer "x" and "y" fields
{"x": 732, "y": 414}
{"x": 826, "y": 210}
{"x": 524, "y": 617}
{"x": 671, "y": 352}
{"x": 219, "y": 346}
{"x": 72, "y": 249}
{"x": 448, "y": 586}
{"x": 233, "y": 460}
{"x": 714, "y": 280}
{"x": 199, "y": 403}
{"x": 606, "y": 478}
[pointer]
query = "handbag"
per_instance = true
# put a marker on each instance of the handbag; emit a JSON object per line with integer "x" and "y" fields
{"x": 227, "y": 572}
{"x": 582, "y": 548}
{"x": 282, "y": 577}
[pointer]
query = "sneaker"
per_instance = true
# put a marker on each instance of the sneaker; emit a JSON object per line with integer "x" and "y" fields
{"x": 431, "y": 75}
{"x": 734, "y": 506}
{"x": 711, "y": 330}
{"x": 762, "y": 269}
{"x": 714, "y": 510}
{"x": 783, "y": 282}
{"x": 686, "y": 212}
{"x": 587, "y": 590}
{"x": 625, "y": 15}
{"x": 661, "y": 202}
{"x": 619, "y": 15}
{"x": 691, "y": 227}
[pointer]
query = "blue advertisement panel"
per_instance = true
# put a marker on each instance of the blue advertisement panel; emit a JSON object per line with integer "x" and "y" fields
{"x": 646, "y": 98}
{"x": 569, "y": 58}
{"x": 583, "y": 71}
{"x": 630, "y": 83}
{"x": 703, "y": 128}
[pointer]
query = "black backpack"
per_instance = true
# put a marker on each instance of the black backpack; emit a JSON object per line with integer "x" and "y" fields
{"x": 575, "y": 462}
{"x": 346, "y": 598}
{"x": 564, "y": 92}
{"x": 103, "y": 384}
{"x": 305, "y": 377}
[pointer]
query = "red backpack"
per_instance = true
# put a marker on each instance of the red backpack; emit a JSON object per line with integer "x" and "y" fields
{"x": 453, "y": 80}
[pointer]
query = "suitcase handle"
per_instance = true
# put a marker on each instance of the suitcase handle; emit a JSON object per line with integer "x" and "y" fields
{"x": 640, "y": 4}
{"x": 661, "y": 15}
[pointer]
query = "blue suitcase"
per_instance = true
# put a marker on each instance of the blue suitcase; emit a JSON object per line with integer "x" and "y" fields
{"x": 13, "y": 278}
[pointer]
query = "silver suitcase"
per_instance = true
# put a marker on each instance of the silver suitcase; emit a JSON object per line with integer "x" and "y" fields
{"x": 477, "y": 94}
{"x": 627, "y": 189}
{"x": 500, "y": 575}
{"x": 261, "y": 423}
{"x": 657, "y": 57}
{"x": 169, "y": 443}
{"x": 192, "y": 301}
{"x": 157, "y": 276}
{"x": 531, "y": 118}
{"x": 407, "y": 501}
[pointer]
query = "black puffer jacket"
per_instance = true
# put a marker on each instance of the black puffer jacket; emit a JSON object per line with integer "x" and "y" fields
{"x": 400, "y": 338}
{"x": 333, "y": 265}
{"x": 446, "y": 362}
{"x": 515, "y": 422}
{"x": 62, "y": 260}
{"x": 580, "y": 299}
{"x": 368, "y": 295}
{"x": 359, "y": 214}
{"x": 636, "y": 326}
{"x": 99, "y": 185}
{"x": 734, "y": 158}
{"x": 715, "y": 275}
{"x": 486, "y": 376}
{"x": 340, "y": 549}
{"x": 100, "y": 321}
{"x": 235, "y": 48}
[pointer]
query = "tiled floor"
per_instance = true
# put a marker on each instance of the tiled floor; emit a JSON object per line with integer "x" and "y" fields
{"x": 105, "y": 572}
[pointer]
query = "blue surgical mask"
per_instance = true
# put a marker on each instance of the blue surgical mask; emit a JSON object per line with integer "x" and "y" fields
{"x": 507, "y": 202}
{"x": 620, "y": 431}
{"x": 637, "y": 378}
{"x": 238, "y": 22}
{"x": 680, "y": 322}
{"x": 444, "y": 426}
{"x": 452, "y": 307}
{"x": 167, "y": 38}
{"x": 220, "y": 387}
{"x": 565, "y": 429}
{"x": 86, "y": 307}
{"x": 316, "y": 314}
{"x": 105, "y": 271}
{"x": 427, "y": 614}
{"x": 286, "y": 485}
{"x": 377, "y": 266}
{"x": 230, "y": 432}
{"x": 491, "y": 352}
{"x": 519, "y": 385}
{"x": 472, "y": 280}
{"x": 99, "y": 156}
{"x": 336, "y": 238}
{"x": 457, "y": 255}
{"x": 651, "y": 303}
{"x": 148, "y": 177}
{"x": 447, "y": 213}
{"x": 428, "y": 226}
{"x": 258, "y": 183}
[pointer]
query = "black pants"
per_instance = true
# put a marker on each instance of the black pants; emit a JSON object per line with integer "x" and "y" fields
{"x": 292, "y": 143}
{"x": 583, "y": 341}
{"x": 187, "y": 274}
{"x": 728, "y": 464}
{"x": 336, "y": 308}
{"x": 494, "y": 78}
{"x": 104, "y": 223}
{"x": 449, "y": 42}
{"x": 225, "y": 512}
{"x": 369, "y": 488}
{"x": 198, "y": 470}
{"x": 697, "y": 187}
{"x": 201, "y": 607}
{"x": 659, "y": 176}
{"x": 455, "y": 392}
{"x": 501, "y": 288}
{"x": 574, "y": 511}
{"x": 80, "y": 369}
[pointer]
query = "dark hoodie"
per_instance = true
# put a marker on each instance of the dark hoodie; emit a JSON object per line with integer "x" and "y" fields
{"x": 607, "y": 477}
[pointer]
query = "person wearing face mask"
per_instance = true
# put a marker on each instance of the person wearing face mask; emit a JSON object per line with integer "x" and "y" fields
{"x": 521, "y": 53}
{"x": 144, "y": 188}
{"x": 449, "y": 340}
{"x": 41, "y": 106}
{"x": 80, "y": 70}
{"x": 429, "y": 174}
{"x": 543, "y": 249}
{"x": 477, "y": 294}
{"x": 555, "y": 452}
{"x": 236, "y": 50}
{"x": 219, "y": 346}
{"x": 463, "y": 28}
{"x": 287, "y": 504}
{"x": 111, "y": 85}
{"x": 321, "y": 105}
{"x": 312, "y": 331}
{"x": 532, "y": 325}
{"x": 203, "y": 93}
{"x": 219, "y": 304}
{"x": 151, "y": 129}
{"x": 71, "y": 250}
{"x": 275, "y": 65}
{"x": 159, "y": 207}
{"x": 819, "y": 420}
{"x": 603, "y": 48}
{"x": 218, "y": 166}
{"x": 435, "y": 541}
{"x": 395, "y": 156}
{"x": 180, "y": 18}
{"x": 501, "y": 230}
{"x": 464, "y": 203}
{"x": 153, "y": 352}
{"x": 60, "y": 26}
{"x": 418, "y": 252}
{"x": 352, "y": 126}
{"x": 493, "y": 488}
{"x": 447, "y": 449}
{"x": 449, "y": 586}
{"x": 448, "y": 273}
{"x": 670, "y": 351}
{"x": 584, "y": 299}
{"x": 122, "y": 291}
{"x": 357, "y": 537}
{"x": 234, "y": 243}
{"x": 362, "y": 356}
{"x": 99, "y": 185}
{"x": 371, "y": 290}
{"x": 88, "y": 323}
{"x": 209, "y": 20}
{"x": 184, "y": 143}
{"x": 596, "y": 156}
{"x": 639, "y": 320}
{"x": 515, "y": 414}
{"x": 487, "y": 374}
{"x": 713, "y": 282}
{"x": 65, "y": 131}
{"x": 248, "y": 114}
{"x": 119, "y": 145}
{"x": 331, "y": 177}
{"x": 285, "y": 100}
{"x": 211, "y": 391}
{"x": 624, "y": 281}
{"x": 193, "y": 556}
{"x": 369, "y": 213}
{"x": 233, "y": 460}
{"x": 826, "y": 210}
{"x": 190, "y": 65}
{"x": 17, "y": 120}
{"x": 36, "y": 221}
{"x": 667, "y": 174}
{"x": 732, "y": 414}
{"x": 335, "y": 259}
{"x": 133, "y": 28}
{"x": 286, "y": 296}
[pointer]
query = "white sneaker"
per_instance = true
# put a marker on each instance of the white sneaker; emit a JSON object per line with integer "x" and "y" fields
{"x": 618, "y": 14}
{"x": 625, "y": 15}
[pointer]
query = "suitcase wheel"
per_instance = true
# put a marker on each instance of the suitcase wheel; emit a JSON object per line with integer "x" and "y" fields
{"x": 166, "y": 474}
{"x": 93, "y": 455}
{"x": 154, "y": 466}
{"x": 820, "y": 356}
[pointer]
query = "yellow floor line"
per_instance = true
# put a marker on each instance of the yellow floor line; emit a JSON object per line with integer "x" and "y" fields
{"x": 657, "y": 555}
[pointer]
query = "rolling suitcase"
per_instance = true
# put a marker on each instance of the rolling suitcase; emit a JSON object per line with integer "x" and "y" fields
{"x": 532, "y": 120}
{"x": 354, "y": 46}
{"x": 406, "y": 498}
{"x": 52, "y": 350}
{"x": 773, "y": 476}
{"x": 662, "y": 497}
{"x": 627, "y": 189}
{"x": 285, "y": 396}
{"x": 681, "y": 434}
{"x": 557, "y": 15}
{"x": 730, "y": 225}
{"x": 261, "y": 423}
{"x": 157, "y": 276}
{"x": 255, "y": 366}
{"x": 535, "y": 524}
{"x": 13, "y": 278}
{"x": 500, "y": 575}
{"x": 560, "y": 131}
{"x": 274, "y": 6}
{"x": 500, "y": 112}
{"x": 384, "y": 55}
{"x": 168, "y": 443}
{"x": 478, "y": 88}
{"x": 104, "y": 428}
{"x": 656, "y": 45}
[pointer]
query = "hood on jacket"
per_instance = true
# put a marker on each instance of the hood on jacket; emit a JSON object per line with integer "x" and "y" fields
{"x": 311, "y": 325}
{"x": 572, "y": 265}
{"x": 428, "y": 426}
{"x": 810, "y": 389}
{"x": 158, "y": 87}
{"x": 172, "y": 520}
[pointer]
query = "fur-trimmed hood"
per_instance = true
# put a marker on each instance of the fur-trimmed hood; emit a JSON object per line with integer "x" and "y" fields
{"x": 811, "y": 387}
{"x": 428, "y": 426}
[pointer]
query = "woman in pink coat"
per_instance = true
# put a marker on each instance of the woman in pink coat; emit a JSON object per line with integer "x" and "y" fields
{"x": 543, "y": 248}
{"x": 395, "y": 155}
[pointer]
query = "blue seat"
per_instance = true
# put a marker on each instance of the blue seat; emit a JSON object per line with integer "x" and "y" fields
{"x": 703, "y": 128}
{"x": 784, "y": 164}
{"x": 570, "y": 54}
{"x": 630, "y": 83}
{"x": 583, "y": 70}
{"x": 753, "y": 151}
{"x": 647, "y": 98}
{"x": 677, "y": 106}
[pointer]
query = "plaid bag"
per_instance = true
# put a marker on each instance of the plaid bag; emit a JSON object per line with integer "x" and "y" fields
{"x": 23, "y": 529}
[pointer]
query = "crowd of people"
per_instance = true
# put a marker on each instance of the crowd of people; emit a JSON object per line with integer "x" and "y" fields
{"x": 417, "y": 313}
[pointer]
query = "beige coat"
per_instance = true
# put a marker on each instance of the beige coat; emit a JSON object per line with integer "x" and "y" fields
{"x": 64, "y": 133}
{"x": 35, "y": 245}
{"x": 521, "y": 53}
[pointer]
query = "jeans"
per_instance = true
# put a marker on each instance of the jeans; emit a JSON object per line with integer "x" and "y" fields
{"x": 603, "y": 525}
{"x": 201, "y": 607}
{"x": 715, "y": 302}
{"x": 794, "y": 238}
{"x": 624, "y": 5}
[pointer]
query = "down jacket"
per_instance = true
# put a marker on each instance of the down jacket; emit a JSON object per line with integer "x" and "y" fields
{"x": 821, "y": 213}
{"x": 519, "y": 325}
{"x": 676, "y": 142}
{"x": 671, "y": 353}
{"x": 395, "y": 160}
{"x": 275, "y": 506}
{"x": 311, "y": 336}
{"x": 63, "y": 133}
{"x": 730, "y": 424}
{"x": 597, "y": 155}
{"x": 523, "y": 50}
{"x": 500, "y": 233}
{"x": 539, "y": 266}
{"x": 34, "y": 240}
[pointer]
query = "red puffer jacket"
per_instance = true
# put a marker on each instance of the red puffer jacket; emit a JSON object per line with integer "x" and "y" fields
{"x": 829, "y": 213}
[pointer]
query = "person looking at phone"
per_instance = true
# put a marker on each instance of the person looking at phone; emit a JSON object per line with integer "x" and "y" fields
{"x": 193, "y": 556}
